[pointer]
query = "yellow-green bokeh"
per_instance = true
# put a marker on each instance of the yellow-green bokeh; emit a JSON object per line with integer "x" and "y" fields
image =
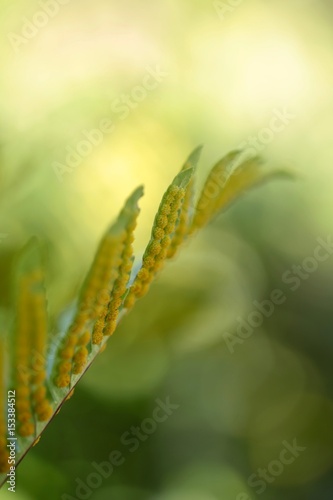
{"x": 226, "y": 77}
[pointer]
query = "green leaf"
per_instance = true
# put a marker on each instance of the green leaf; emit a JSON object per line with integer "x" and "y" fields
{"x": 106, "y": 294}
{"x": 230, "y": 178}
{"x": 193, "y": 159}
{"x": 164, "y": 227}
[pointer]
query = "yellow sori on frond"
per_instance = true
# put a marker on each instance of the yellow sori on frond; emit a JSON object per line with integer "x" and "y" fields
{"x": 229, "y": 178}
{"x": 3, "y": 413}
{"x": 73, "y": 353}
{"x": 213, "y": 186}
{"x": 107, "y": 322}
{"x": 183, "y": 225}
{"x": 104, "y": 273}
{"x": 101, "y": 294}
{"x": 164, "y": 227}
{"x": 30, "y": 342}
{"x": 42, "y": 407}
{"x": 43, "y": 371}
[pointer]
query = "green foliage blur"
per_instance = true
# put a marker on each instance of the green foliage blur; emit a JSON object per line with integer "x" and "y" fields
{"x": 148, "y": 82}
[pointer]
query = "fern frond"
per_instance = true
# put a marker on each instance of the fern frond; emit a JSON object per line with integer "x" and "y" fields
{"x": 128, "y": 217}
{"x": 30, "y": 341}
{"x": 229, "y": 179}
{"x": 185, "y": 216}
{"x": 164, "y": 227}
{"x": 44, "y": 370}
{"x": 108, "y": 275}
{"x": 3, "y": 413}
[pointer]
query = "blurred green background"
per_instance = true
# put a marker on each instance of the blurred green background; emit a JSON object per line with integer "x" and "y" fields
{"x": 224, "y": 70}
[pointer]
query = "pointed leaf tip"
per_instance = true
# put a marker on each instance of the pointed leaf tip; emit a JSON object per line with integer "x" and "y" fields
{"x": 137, "y": 194}
{"x": 183, "y": 178}
{"x": 193, "y": 159}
